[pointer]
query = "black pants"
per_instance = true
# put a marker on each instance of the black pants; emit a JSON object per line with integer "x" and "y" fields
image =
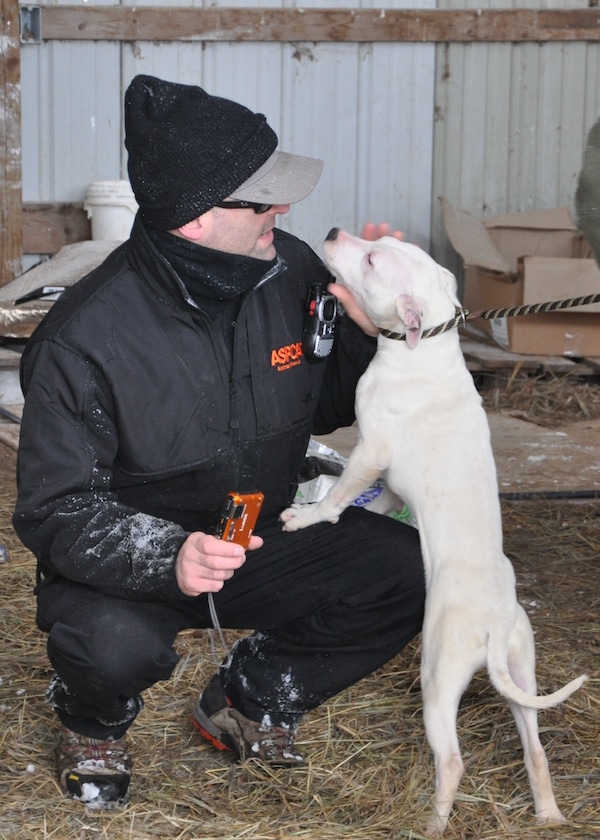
{"x": 328, "y": 605}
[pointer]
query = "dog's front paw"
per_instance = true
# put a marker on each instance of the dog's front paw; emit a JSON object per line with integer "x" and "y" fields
{"x": 301, "y": 516}
{"x": 297, "y": 517}
{"x": 290, "y": 513}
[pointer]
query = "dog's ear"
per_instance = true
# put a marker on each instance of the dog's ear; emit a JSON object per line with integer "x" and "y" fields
{"x": 410, "y": 311}
{"x": 450, "y": 286}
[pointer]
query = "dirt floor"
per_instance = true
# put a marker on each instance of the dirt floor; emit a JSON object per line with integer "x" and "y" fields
{"x": 369, "y": 773}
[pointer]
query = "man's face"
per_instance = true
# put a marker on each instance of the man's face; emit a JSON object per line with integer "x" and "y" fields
{"x": 241, "y": 231}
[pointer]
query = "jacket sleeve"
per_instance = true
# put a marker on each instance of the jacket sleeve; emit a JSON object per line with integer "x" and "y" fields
{"x": 66, "y": 512}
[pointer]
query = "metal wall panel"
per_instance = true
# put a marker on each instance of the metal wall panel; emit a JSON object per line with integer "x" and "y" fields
{"x": 366, "y": 110}
{"x": 70, "y": 117}
{"x": 511, "y": 123}
{"x": 494, "y": 127}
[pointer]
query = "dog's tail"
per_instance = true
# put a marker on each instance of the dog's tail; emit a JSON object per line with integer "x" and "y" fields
{"x": 502, "y": 679}
{"x": 507, "y": 687}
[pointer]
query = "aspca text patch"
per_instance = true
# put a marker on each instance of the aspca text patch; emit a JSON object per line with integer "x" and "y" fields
{"x": 287, "y": 357}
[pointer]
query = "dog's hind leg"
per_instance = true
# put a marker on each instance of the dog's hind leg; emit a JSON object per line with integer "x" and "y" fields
{"x": 440, "y": 709}
{"x": 521, "y": 663}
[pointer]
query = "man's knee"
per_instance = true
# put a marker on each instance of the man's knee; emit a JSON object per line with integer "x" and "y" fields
{"x": 110, "y": 656}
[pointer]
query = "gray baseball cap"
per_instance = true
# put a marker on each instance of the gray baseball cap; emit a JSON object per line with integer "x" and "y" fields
{"x": 283, "y": 178}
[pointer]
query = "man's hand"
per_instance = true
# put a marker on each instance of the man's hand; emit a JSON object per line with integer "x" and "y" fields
{"x": 353, "y": 310}
{"x": 204, "y": 563}
{"x": 371, "y": 231}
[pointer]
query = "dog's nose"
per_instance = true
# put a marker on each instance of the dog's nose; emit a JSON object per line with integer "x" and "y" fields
{"x": 332, "y": 235}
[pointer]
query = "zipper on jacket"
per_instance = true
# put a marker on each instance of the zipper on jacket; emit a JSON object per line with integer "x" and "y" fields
{"x": 221, "y": 349}
{"x": 234, "y": 418}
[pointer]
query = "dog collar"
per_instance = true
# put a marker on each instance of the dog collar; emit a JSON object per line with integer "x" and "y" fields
{"x": 459, "y": 318}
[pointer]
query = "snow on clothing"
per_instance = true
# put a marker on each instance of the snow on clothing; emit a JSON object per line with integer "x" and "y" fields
{"x": 140, "y": 415}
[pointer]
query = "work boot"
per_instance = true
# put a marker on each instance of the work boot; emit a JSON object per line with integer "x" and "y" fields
{"x": 228, "y": 729}
{"x": 94, "y": 772}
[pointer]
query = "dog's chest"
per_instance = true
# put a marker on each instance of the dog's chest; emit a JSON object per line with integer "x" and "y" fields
{"x": 416, "y": 390}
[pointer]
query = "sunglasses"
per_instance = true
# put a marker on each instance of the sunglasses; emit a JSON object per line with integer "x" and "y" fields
{"x": 242, "y": 205}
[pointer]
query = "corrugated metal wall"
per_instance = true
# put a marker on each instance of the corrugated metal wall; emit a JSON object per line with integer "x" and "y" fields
{"x": 493, "y": 127}
{"x": 367, "y": 110}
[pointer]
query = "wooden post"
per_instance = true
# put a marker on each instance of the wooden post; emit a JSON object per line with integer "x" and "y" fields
{"x": 11, "y": 210}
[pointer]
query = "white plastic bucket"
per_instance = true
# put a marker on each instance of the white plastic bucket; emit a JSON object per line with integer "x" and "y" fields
{"x": 112, "y": 207}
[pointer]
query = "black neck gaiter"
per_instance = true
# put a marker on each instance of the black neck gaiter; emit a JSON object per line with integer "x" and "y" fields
{"x": 210, "y": 275}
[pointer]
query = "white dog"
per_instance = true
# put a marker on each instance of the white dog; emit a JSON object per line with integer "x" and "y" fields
{"x": 421, "y": 425}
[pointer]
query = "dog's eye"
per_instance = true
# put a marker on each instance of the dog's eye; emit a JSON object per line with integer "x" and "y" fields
{"x": 369, "y": 259}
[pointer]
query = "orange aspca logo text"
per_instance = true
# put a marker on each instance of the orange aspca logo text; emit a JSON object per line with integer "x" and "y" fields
{"x": 287, "y": 357}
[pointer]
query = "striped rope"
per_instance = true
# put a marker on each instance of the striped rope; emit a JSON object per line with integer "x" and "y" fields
{"x": 463, "y": 315}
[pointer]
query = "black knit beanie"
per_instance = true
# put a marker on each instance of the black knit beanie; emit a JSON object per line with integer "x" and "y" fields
{"x": 188, "y": 150}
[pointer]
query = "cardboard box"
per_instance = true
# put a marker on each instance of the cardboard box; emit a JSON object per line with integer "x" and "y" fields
{"x": 521, "y": 258}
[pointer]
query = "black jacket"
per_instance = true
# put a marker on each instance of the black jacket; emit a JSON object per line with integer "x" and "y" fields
{"x": 140, "y": 416}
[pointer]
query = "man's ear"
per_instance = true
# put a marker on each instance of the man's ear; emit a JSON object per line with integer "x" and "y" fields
{"x": 191, "y": 230}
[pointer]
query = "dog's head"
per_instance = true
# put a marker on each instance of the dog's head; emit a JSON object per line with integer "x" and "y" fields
{"x": 395, "y": 283}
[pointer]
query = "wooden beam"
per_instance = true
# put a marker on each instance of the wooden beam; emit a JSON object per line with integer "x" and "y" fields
{"x": 11, "y": 235}
{"x": 127, "y": 23}
{"x": 47, "y": 227}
